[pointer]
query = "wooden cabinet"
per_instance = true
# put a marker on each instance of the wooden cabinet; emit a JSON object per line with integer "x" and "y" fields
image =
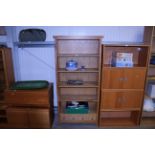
{"x": 86, "y": 51}
{"x": 118, "y": 100}
{"x": 6, "y": 79}
{"x": 30, "y": 108}
{"x": 123, "y": 78}
{"x": 28, "y": 118}
{"x": 122, "y": 88}
{"x": 148, "y": 118}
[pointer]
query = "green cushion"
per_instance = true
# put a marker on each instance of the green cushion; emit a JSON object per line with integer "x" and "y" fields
{"x": 29, "y": 85}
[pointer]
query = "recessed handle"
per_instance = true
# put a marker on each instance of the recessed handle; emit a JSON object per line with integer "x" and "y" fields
{"x": 121, "y": 100}
{"x": 120, "y": 79}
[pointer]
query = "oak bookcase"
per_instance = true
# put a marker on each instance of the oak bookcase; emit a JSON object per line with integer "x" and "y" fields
{"x": 86, "y": 50}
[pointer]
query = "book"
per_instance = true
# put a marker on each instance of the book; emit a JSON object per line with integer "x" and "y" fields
{"x": 122, "y": 59}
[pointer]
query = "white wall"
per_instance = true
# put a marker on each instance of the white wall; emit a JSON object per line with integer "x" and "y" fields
{"x": 39, "y": 63}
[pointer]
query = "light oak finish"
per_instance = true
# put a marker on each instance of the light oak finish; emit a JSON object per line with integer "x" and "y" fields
{"x": 114, "y": 100}
{"x": 123, "y": 78}
{"x": 122, "y": 88}
{"x": 86, "y": 50}
{"x": 120, "y": 119}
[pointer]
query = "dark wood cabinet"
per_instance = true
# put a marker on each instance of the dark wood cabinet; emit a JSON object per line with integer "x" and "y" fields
{"x": 6, "y": 79}
{"x": 28, "y": 118}
{"x": 30, "y": 108}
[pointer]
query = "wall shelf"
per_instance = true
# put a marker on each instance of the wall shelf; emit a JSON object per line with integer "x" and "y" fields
{"x": 34, "y": 44}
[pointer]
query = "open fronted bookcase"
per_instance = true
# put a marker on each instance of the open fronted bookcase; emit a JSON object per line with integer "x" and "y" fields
{"x": 86, "y": 51}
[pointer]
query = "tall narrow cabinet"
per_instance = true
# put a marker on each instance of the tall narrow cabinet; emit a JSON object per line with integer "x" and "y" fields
{"x": 148, "y": 117}
{"x": 6, "y": 79}
{"x": 122, "y": 88}
{"x": 86, "y": 51}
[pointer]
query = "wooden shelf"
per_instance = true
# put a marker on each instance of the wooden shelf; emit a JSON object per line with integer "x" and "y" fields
{"x": 117, "y": 122}
{"x": 126, "y": 44}
{"x": 91, "y": 98}
{"x": 120, "y": 110}
{"x": 148, "y": 122}
{"x": 151, "y": 66}
{"x": 79, "y": 71}
{"x": 85, "y": 85}
{"x": 78, "y": 118}
{"x": 134, "y": 66}
{"x": 148, "y": 114}
{"x": 78, "y": 55}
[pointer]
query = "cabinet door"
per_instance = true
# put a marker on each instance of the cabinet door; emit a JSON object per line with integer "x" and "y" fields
{"x": 123, "y": 78}
{"x": 17, "y": 117}
{"x": 39, "y": 118}
{"x": 121, "y": 100}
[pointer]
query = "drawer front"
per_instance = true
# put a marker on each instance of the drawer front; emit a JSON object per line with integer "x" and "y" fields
{"x": 17, "y": 118}
{"x": 39, "y": 118}
{"x": 126, "y": 78}
{"x": 121, "y": 100}
{"x": 27, "y": 98}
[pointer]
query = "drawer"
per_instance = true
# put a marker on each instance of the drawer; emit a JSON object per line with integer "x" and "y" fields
{"x": 124, "y": 78}
{"x": 113, "y": 100}
{"x": 27, "y": 97}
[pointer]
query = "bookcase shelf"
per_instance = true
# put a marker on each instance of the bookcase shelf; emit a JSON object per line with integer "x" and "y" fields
{"x": 86, "y": 51}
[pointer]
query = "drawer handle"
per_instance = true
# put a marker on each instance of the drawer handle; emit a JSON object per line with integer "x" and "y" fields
{"x": 121, "y": 100}
{"x": 120, "y": 79}
{"x": 123, "y": 79}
